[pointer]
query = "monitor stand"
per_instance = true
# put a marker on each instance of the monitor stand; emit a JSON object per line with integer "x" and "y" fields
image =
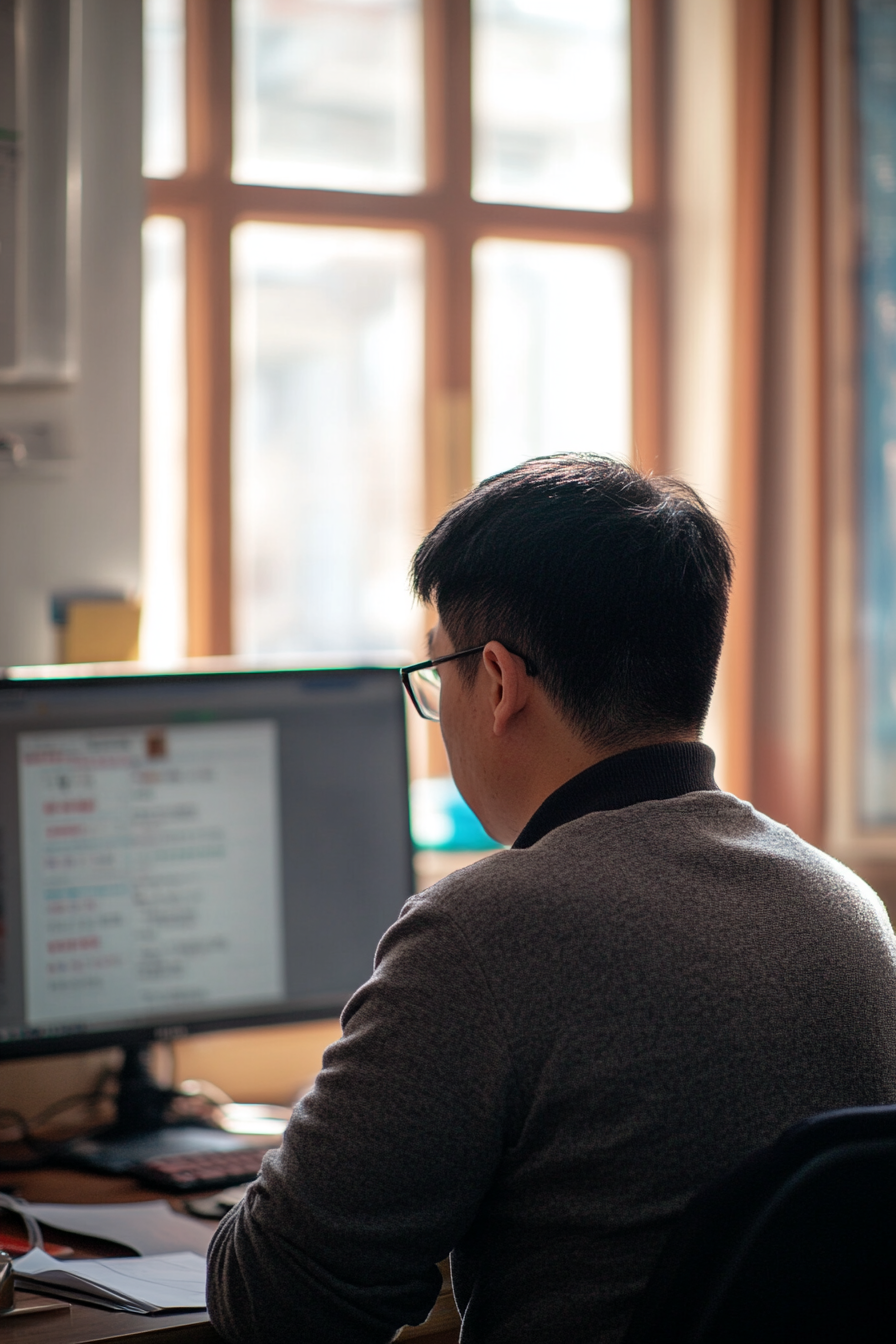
{"x": 142, "y": 1129}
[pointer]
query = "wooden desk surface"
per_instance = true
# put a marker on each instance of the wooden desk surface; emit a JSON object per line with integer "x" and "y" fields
{"x": 86, "y": 1325}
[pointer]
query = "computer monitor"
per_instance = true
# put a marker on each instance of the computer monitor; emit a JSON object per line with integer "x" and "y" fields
{"x": 193, "y": 852}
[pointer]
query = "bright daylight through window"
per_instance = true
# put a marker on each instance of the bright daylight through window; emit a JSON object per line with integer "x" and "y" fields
{"x": 328, "y": 337}
{"x": 329, "y": 95}
{"x": 396, "y": 246}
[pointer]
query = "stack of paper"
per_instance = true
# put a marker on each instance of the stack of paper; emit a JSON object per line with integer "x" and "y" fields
{"x": 141, "y": 1284}
{"x": 148, "y": 1228}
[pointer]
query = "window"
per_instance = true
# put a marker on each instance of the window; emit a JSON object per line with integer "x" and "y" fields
{"x": 418, "y": 241}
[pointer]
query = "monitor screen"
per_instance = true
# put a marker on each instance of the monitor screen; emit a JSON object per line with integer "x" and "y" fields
{"x": 192, "y": 852}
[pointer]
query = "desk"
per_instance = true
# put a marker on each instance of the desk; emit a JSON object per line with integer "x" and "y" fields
{"x": 90, "y": 1325}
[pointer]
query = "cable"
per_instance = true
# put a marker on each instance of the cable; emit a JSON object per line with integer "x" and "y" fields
{"x": 193, "y": 1092}
{"x": 59, "y": 1108}
{"x": 201, "y": 1087}
{"x": 32, "y": 1227}
{"x": 29, "y": 1136}
{"x": 18, "y": 1119}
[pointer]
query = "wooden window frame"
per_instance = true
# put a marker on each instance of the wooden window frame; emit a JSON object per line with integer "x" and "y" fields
{"x": 211, "y": 205}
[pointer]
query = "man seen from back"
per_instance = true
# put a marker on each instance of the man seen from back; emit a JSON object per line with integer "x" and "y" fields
{"x": 562, "y": 1043}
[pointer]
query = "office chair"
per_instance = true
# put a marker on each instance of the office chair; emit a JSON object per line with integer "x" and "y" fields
{"x": 796, "y": 1245}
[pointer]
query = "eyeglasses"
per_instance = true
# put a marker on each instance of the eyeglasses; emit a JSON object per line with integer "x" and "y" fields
{"x": 424, "y": 685}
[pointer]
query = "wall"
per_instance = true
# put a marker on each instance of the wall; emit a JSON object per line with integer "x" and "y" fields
{"x": 701, "y": 268}
{"x": 270, "y": 1064}
{"x": 83, "y": 527}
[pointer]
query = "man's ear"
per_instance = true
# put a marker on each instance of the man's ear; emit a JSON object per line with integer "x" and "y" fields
{"x": 508, "y": 685}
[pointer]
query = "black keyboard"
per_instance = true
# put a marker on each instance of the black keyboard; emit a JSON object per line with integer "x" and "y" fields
{"x": 188, "y": 1173}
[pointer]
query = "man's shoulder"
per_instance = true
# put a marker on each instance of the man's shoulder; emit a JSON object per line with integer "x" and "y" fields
{"x": 596, "y": 848}
{"x": 493, "y": 873}
{"x": 710, "y": 837}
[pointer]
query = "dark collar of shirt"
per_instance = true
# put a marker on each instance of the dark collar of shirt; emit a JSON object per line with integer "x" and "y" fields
{"x": 642, "y": 775}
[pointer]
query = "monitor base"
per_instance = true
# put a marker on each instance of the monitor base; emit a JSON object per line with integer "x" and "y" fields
{"x": 115, "y": 1154}
{"x": 143, "y": 1128}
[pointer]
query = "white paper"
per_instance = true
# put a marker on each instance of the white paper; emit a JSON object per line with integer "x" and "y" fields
{"x": 152, "y": 1282}
{"x": 150, "y": 1227}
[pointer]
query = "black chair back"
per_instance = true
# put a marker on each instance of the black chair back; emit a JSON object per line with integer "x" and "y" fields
{"x": 798, "y": 1244}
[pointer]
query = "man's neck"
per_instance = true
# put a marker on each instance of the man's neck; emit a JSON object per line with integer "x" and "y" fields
{"x": 659, "y": 771}
{"x": 545, "y": 766}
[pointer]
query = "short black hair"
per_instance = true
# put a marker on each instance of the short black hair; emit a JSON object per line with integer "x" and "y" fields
{"x": 613, "y": 584}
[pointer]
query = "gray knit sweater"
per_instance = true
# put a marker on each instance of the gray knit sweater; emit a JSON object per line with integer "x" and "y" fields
{"x": 557, "y": 1048}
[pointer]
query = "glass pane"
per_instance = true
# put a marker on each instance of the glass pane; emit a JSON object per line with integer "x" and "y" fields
{"x": 329, "y": 93}
{"x": 875, "y": 83}
{"x": 164, "y": 86}
{"x": 552, "y": 352}
{"x": 328, "y": 334}
{"x": 551, "y": 103}
{"x": 163, "y": 626}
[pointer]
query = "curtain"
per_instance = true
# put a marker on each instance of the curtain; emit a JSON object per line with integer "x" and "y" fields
{"x": 746, "y": 352}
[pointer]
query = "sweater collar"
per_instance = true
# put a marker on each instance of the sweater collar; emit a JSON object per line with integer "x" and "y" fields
{"x": 642, "y": 775}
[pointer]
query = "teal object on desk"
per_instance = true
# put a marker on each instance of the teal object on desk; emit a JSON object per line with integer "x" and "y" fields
{"x": 440, "y": 819}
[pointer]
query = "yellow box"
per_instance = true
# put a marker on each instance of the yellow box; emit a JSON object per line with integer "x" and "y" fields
{"x": 101, "y": 632}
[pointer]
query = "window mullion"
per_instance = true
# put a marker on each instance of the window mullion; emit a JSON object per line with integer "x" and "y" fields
{"x": 209, "y": 120}
{"x": 449, "y": 271}
{"x": 645, "y": 103}
{"x": 649, "y": 281}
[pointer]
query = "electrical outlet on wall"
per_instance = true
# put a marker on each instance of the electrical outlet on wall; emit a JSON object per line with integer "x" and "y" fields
{"x": 34, "y": 449}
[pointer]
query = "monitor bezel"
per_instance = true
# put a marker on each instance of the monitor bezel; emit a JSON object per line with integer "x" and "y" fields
{"x": 142, "y": 1034}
